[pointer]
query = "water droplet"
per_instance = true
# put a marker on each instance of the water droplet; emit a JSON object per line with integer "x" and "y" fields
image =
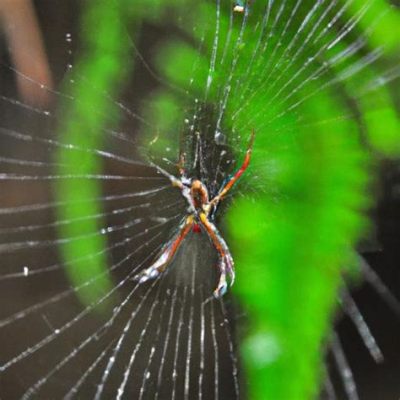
{"x": 238, "y": 7}
{"x": 219, "y": 138}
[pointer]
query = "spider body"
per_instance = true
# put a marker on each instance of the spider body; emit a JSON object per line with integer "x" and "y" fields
{"x": 199, "y": 194}
{"x": 200, "y": 207}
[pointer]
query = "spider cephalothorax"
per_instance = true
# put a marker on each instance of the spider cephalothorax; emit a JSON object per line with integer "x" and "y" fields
{"x": 199, "y": 194}
{"x": 199, "y": 209}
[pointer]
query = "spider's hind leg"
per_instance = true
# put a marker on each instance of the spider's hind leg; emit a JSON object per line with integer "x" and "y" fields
{"x": 225, "y": 264}
{"x": 155, "y": 269}
{"x": 225, "y": 268}
{"x": 167, "y": 253}
{"x": 222, "y": 286}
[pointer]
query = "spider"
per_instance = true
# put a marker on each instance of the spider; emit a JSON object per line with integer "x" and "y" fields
{"x": 200, "y": 207}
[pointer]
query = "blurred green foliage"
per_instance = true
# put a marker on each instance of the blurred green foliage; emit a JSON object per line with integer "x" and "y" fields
{"x": 99, "y": 71}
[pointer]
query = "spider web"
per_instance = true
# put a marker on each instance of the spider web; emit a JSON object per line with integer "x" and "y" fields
{"x": 103, "y": 335}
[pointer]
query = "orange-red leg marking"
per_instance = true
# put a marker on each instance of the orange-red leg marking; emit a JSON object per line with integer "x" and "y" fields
{"x": 167, "y": 253}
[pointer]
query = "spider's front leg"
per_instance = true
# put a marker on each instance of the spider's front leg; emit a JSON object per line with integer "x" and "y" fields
{"x": 167, "y": 253}
{"x": 231, "y": 182}
{"x": 174, "y": 181}
{"x": 225, "y": 265}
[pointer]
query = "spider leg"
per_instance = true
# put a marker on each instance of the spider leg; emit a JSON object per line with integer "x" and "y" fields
{"x": 175, "y": 181}
{"x": 225, "y": 265}
{"x": 238, "y": 173}
{"x": 181, "y": 165}
{"x": 166, "y": 254}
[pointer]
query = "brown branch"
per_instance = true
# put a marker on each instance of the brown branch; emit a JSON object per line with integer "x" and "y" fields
{"x": 27, "y": 51}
